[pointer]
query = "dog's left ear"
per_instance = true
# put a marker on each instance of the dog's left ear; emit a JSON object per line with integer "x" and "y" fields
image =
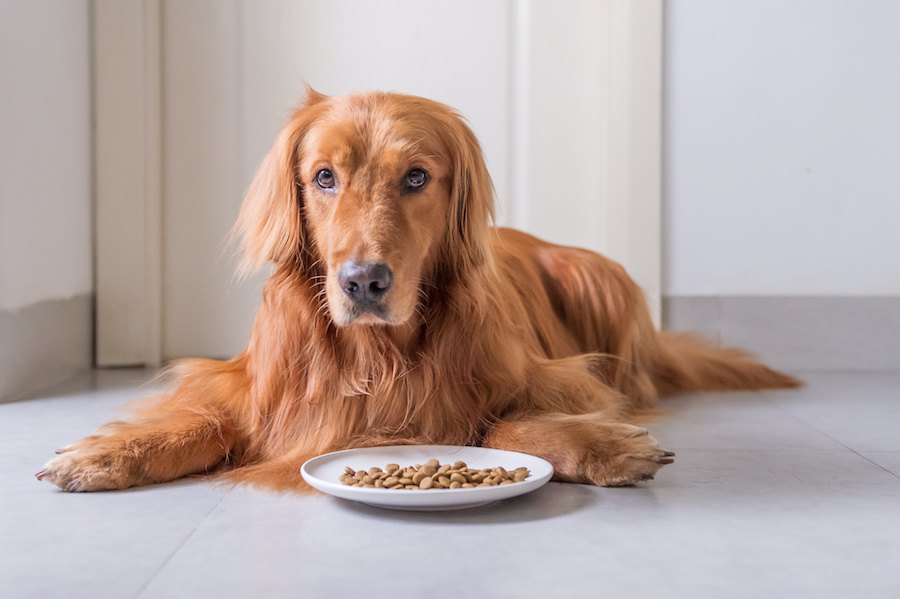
{"x": 270, "y": 223}
{"x": 472, "y": 198}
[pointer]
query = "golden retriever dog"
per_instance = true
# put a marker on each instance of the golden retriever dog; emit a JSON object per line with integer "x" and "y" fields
{"x": 396, "y": 314}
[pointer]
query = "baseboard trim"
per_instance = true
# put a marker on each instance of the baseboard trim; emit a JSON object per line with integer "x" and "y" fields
{"x": 43, "y": 344}
{"x": 798, "y": 333}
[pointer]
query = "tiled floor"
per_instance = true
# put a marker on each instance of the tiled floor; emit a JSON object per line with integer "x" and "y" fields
{"x": 777, "y": 494}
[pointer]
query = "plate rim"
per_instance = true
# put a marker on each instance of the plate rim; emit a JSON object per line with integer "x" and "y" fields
{"x": 536, "y": 482}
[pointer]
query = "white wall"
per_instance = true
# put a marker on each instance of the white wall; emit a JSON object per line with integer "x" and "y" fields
{"x": 782, "y": 151}
{"x": 45, "y": 152}
{"x": 46, "y": 257}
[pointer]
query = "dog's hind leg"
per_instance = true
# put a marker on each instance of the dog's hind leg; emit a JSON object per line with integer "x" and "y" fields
{"x": 606, "y": 312}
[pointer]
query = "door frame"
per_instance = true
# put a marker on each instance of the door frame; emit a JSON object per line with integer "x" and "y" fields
{"x": 127, "y": 102}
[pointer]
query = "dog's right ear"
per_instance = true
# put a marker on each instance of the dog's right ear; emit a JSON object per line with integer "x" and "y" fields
{"x": 270, "y": 223}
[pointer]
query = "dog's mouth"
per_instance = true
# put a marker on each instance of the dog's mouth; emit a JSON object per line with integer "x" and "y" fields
{"x": 345, "y": 313}
{"x": 368, "y": 313}
{"x": 390, "y": 312}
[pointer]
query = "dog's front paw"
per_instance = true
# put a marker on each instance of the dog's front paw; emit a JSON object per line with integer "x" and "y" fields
{"x": 91, "y": 464}
{"x": 627, "y": 457}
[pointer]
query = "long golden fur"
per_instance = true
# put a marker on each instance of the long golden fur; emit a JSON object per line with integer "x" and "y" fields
{"x": 486, "y": 336}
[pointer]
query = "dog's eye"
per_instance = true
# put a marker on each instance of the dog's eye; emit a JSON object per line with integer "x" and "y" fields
{"x": 325, "y": 179}
{"x": 416, "y": 179}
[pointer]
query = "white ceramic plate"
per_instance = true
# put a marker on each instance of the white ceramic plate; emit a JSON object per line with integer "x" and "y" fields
{"x": 322, "y": 473}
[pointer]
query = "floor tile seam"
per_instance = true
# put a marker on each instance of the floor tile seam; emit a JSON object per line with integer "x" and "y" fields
{"x": 805, "y": 423}
{"x": 868, "y": 459}
{"x": 824, "y": 370}
{"x": 771, "y": 449}
{"x": 143, "y": 588}
{"x": 820, "y": 431}
{"x": 765, "y": 395}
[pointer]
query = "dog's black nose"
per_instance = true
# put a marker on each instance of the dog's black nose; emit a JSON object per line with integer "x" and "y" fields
{"x": 365, "y": 283}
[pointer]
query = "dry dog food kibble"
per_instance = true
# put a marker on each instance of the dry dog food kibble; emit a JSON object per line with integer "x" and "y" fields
{"x": 432, "y": 475}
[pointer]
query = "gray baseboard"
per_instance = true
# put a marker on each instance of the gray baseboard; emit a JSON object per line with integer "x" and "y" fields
{"x": 43, "y": 344}
{"x": 798, "y": 333}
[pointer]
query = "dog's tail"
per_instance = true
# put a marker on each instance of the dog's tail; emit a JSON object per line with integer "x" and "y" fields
{"x": 686, "y": 362}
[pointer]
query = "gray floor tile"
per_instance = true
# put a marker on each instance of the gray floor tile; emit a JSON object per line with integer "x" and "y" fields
{"x": 84, "y": 545}
{"x": 94, "y": 545}
{"x": 718, "y": 523}
{"x": 762, "y": 501}
{"x": 862, "y": 412}
{"x": 734, "y": 421}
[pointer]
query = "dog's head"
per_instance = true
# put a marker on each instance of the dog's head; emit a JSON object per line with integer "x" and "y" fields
{"x": 373, "y": 197}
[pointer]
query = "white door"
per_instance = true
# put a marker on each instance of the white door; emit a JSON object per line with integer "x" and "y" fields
{"x": 564, "y": 96}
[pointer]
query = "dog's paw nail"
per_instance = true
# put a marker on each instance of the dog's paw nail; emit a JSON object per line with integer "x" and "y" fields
{"x": 669, "y": 454}
{"x": 40, "y": 475}
{"x": 72, "y": 487}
